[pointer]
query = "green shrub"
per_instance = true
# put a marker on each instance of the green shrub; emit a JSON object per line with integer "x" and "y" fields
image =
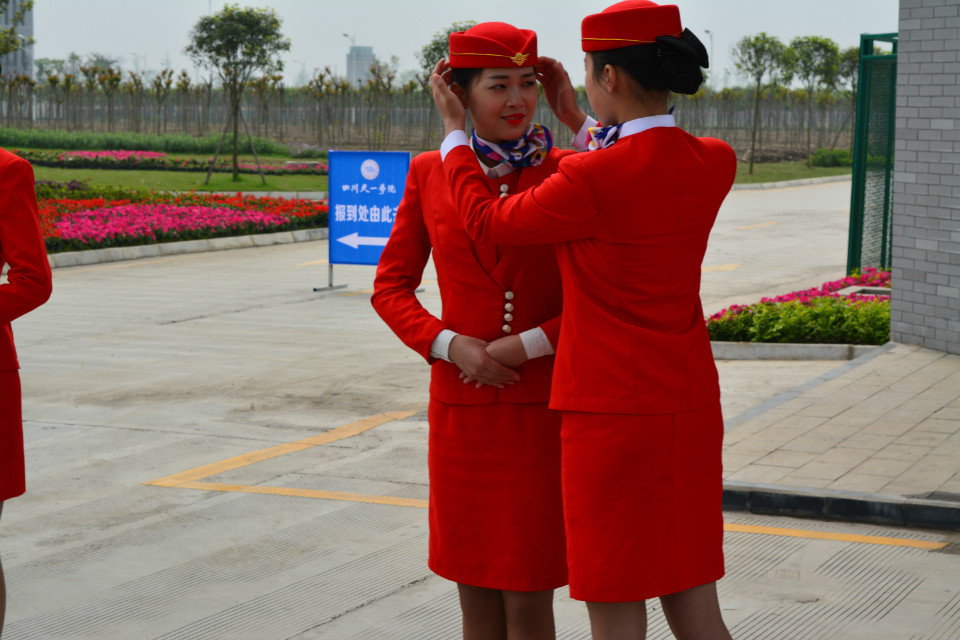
{"x": 831, "y": 158}
{"x": 69, "y": 140}
{"x": 820, "y": 320}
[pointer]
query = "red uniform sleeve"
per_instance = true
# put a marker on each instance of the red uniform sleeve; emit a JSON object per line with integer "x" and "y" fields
{"x": 556, "y": 210}
{"x": 552, "y": 330}
{"x": 400, "y": 271}
{"x": 21, "y": 243}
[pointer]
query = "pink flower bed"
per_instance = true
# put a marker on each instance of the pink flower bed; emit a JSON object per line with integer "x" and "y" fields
{"x": 151, "y": 220}
{"x": 869, "y": 277}
{"x": 116, "y": 155}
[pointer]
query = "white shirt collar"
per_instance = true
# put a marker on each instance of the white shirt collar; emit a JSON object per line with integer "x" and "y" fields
{"x": 639, "y": 125}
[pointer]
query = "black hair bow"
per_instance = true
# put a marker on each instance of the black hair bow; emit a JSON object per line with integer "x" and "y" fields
{"x": 687, "y": 46}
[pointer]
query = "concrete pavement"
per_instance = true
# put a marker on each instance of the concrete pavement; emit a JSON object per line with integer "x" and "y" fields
{"x": 216, "y": 451}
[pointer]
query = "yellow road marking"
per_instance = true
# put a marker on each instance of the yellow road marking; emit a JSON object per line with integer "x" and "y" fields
{"x": 307, "y": 493}
{"x": 826, "y": 535}
{"x": 757, "y": 226}
{"x": 358, "y": 292}
{"x": 246, "y": 459}
{"x": 191, "y": 480}
{"x": 721, "y": 267}
{"x": 312, "y": 263}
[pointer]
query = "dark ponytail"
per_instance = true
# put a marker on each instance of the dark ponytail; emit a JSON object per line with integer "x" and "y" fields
{"x": 669, "y": 64}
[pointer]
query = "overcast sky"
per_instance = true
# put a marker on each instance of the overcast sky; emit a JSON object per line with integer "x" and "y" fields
{"x": 153, "y": 32}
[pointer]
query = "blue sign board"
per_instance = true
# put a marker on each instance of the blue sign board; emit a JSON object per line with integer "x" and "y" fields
{"x": 365, "y": 190}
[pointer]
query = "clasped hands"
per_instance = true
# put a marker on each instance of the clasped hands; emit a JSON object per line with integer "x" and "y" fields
{"x": 491, "y": 363}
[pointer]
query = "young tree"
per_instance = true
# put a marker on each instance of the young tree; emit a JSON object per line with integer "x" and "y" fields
{"x": 161, "y": 89}
{"x": 238, "y": 42}
{"x": 430, "y": 53}
{"x": 817, "y": 63}
{"x": 759, "y": 57}
{"x": 10, "y": 40}
{"x": 109, "y": 80}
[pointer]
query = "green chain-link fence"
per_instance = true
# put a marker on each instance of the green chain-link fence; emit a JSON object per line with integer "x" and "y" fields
{"x": 872, "y": 192}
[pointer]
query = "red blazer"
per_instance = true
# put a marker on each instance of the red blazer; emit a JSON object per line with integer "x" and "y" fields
{"x": 473, "y": 281}
{"x": 631, "y": 222}
{"x": 21, "y": 246}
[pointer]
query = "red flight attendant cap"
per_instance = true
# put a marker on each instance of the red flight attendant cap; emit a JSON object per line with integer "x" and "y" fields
{"x": 493, "y": 44}
{"x": 629, "y": 23}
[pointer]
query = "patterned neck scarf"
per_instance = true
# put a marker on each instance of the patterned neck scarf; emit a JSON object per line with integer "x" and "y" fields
{"x": 602, "y": 137}
{"x": 528, "y": 151}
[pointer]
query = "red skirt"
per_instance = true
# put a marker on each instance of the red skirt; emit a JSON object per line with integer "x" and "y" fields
{"x": 12, "y": 482}
{"x": 642, "y": 501}
{"x": 496, "y": 513}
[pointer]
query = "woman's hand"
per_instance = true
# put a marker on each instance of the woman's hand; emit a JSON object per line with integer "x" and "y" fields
{"x": 476, "y": 366}
{"x": 508, "y": 351}
{"x": 451, "y": 110}
{"x": 560, "y": 93}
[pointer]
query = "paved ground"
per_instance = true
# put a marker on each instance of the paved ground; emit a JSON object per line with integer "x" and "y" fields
{"x": 216, "y": 451}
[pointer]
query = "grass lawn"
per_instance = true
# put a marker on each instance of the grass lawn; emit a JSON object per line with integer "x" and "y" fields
{"x": 242, "y": 158}
{"x": 779, "y": 171}
{"x": 182, "y": 180}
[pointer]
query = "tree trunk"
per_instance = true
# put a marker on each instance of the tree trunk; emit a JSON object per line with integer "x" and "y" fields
{"x": 809, "y": 126}
{"x": 235, "y": 107}
{"x": 756, "y": 121}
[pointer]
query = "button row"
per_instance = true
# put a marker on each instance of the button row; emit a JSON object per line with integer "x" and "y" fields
{"x": 508, "y": 307}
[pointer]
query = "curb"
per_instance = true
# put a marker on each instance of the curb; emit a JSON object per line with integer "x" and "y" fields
{"x": 846, "y": 506}
{"x": 115, "y": 254}
{"x": 787, "y": 351}
{"x": 789, "y": 183}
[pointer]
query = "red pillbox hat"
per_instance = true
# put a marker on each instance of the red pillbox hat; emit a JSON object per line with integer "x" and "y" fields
{"x": 493, "y": 44}
{"x": 629, "y": 23}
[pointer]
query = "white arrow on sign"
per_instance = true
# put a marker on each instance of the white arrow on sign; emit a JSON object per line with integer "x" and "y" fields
{"x": 354, "y": 240}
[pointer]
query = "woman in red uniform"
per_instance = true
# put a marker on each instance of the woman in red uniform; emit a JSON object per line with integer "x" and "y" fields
{"x": 27, "y": 287}
{"x": 496, "y": 523}
{"x": 634, "y": 379}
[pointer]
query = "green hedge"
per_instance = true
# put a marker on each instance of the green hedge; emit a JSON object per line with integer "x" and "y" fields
{"x": 831, "y": 158}
{"x": 50, "y": 139}
{"x": 821, "y": 320}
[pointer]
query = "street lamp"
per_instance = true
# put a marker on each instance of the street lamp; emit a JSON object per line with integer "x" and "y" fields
{"x": 713, "y": 62}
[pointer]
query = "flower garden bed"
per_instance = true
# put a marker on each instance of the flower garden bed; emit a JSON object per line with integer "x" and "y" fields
{"x": 818, "y": 315}
{"x": 157, "y": 161}
{"x": 83, "y": 218}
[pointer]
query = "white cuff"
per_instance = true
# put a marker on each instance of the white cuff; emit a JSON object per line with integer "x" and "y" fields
{"x": 441, "y": 345}
{"x": 583, "y": 136}
{"x": 455, "y": 139}
{"x": 535, "y": 343}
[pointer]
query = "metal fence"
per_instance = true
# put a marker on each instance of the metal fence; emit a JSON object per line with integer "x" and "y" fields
{"x": 870, "y": 241}
{"x": 398, "y": 119}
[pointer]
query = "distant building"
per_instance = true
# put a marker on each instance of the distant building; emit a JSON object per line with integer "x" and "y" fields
{"x": 19, "y": 62}
{"x": 359, "y": 61}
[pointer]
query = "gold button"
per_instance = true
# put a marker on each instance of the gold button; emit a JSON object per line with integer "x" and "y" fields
{"x": 503, "y": 195}
{"x": 508, "y": 295}
{"x": 504, "y": 188}
{"x": 508, "y": 307}
{"x": 508, "y": 317}
{"x": 507, "y": 328}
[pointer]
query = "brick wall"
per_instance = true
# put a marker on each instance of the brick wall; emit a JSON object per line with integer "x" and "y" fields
{"x": 926, "y": 190}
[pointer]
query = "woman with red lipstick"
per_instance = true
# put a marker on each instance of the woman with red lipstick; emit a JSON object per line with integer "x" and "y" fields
{"x": 635, "y": 380}
{"x": 496, "y": 521}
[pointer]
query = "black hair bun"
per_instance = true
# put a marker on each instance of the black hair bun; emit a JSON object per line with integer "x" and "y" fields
{"x": 680, "y": 61}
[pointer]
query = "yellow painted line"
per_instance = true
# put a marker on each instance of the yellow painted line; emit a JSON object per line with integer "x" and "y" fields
{"x": 358, "y": 292}
{"x": 757, "y": 226}
{"x": 246, "y": 459}
{"x": 721, "y": 267}
{"x": 307, "y": 493}
{"x": 826, "y": 535}
{"x": 312, "y": 263}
